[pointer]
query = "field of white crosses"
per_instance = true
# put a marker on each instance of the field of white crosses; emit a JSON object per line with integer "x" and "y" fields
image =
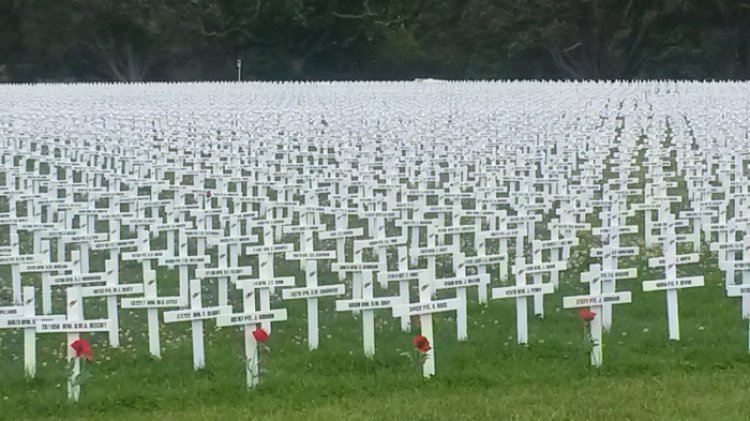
{"x": 412, "y": 250}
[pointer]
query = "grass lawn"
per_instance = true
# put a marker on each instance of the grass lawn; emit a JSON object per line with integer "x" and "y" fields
{"x": 645, "y": 376}
{"x": 706, "y": 375}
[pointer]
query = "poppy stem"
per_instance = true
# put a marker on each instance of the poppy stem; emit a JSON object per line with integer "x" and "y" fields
{"x": 74, "y": 388}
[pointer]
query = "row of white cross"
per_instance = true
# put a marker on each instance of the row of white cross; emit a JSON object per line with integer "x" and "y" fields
{"x": 75, "y": 189}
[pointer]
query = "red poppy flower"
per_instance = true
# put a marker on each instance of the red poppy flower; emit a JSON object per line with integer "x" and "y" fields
{"x": 208, "y": 194}
{"x": 586, "y": 315}
{"x": 82, "y": 349}
{"x": 421, "y": 343}
{"x": 260, "y": 335}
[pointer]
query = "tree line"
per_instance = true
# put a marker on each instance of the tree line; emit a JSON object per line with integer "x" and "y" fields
{"x": 137, "y": 40}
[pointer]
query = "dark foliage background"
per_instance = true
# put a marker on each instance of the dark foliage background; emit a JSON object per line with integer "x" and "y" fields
{"x": 134, "y": 40}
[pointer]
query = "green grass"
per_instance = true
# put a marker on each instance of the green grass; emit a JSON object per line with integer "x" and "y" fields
{"x": 706, "y": 375}
{"x": 645, "y": 376}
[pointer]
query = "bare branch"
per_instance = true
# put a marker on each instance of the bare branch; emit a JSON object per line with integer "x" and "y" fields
{"x": 199, "y": 24}
{"x": 347, "y": 16}
{"x": 572, "y": 47}
{"x": 559, "y": 60}
{"x": 367, "y": 12}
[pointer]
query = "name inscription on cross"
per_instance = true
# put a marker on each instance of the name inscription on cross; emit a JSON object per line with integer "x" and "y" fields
{"x": 425, "y": 308}
{"x": 521, "y": 291}
{"x": 180, "y": 258}
{"x": 196, "y": 314}
{"x": 595, "y": 300}
{"x": 54, "y": 267}
{"x": 41, "y": 246}
{"x": 25, "y": 317}
{"x": 538, "y": 247}
{"x": 671, "y": 283}
{"x": 114, "y": 246}
{"x": 561, "y": 231}
{"x": 150, "y": 301}
{"x": 368, "y": 303}
{"x": 611, "y": 250}
{"x": 380, "y": 245}
{"x": 250, "y": 319}
{"x": 74, "y": 324}
{"x": 14, "y": 258}
{"x": 340, "y": 236}
{"x": 403, "y": 276}
{"x": 742, "y": 266}
{"x": 726, "y": 246}
{"x": 312, "y": 291}
{"x": 460, "y": 282}
{"x": 503, "y": 235}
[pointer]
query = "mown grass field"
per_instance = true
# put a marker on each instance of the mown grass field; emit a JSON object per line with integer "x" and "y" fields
{"x": 706, "y": 375}
{"x": 645, "y": 376}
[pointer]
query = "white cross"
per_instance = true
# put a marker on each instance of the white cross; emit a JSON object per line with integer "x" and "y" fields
{"x": 195, "y": 315}
{"x": 425, "y": 308}
{"x": 521, "y": 292}
{"x": 672, "y": 283}
{"x": 25, "y": 318}
{"x": 250, "y": 319}
{"x": 596, "y": 299}
{"x": 73, "y": 325}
